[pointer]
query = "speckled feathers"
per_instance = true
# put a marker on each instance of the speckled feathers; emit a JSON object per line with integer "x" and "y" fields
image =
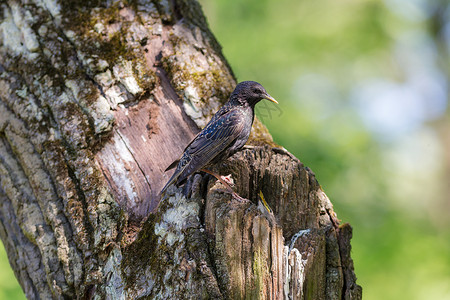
{"x": 226, "y": 132}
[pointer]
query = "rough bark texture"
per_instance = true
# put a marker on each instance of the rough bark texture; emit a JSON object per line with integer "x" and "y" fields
{"x": 96, "y": 100}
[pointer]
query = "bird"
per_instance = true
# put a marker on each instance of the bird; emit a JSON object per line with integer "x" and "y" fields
{"x": 225, "y": 134}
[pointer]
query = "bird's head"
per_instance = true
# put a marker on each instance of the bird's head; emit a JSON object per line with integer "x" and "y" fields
{"x": 250, "y": 92}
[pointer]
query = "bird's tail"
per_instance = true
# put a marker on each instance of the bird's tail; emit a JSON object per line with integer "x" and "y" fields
{"x": 169, "y": 183}
{"x": 179, "y": 171}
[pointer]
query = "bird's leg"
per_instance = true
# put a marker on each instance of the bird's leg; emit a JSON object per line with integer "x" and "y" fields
{"x": 228, "y": 180}
{"x": 227, "y": 186}
{"x": 220, "y": 178}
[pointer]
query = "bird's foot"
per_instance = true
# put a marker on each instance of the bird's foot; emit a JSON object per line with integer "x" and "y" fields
{"x": 225, "y": 180}
{"x": 228, "y": 180}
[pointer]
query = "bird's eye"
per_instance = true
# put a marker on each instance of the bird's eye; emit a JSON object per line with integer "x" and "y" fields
{"x": 256, "y": 91}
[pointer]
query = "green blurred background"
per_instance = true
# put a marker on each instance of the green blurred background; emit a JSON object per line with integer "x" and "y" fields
{"x": 363, "y": 92}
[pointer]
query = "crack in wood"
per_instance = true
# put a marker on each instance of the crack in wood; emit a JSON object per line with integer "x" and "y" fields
{"x": 132, "y": 155}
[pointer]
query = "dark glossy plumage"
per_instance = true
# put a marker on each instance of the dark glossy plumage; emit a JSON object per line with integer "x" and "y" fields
{"x": 226, "y": 132}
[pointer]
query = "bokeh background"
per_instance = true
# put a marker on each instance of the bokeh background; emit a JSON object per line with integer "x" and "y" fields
{"x": 363, "y": 88}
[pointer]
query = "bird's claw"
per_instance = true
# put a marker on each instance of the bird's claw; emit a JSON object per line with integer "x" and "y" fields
{"x": 228, "y": 180}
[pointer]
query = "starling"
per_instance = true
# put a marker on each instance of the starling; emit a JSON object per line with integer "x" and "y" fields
{"x": 224, "y": 135}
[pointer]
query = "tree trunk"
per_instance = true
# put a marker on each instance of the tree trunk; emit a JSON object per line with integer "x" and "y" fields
{"x": 96, "y": 100}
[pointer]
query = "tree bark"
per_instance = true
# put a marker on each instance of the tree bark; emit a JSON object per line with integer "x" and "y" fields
{"x": 96, "y": 100}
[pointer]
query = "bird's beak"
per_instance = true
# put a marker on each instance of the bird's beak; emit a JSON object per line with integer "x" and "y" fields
{"x": 270, "y": 98}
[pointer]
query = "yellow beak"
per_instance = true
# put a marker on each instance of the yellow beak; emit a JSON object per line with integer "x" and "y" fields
{"x": 270, "y": 98}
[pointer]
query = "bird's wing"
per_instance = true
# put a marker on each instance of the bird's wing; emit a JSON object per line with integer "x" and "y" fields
{"x": 216, "y": 137}
{"x": 209, "y": 143}
{"x": 219, "y": 114}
